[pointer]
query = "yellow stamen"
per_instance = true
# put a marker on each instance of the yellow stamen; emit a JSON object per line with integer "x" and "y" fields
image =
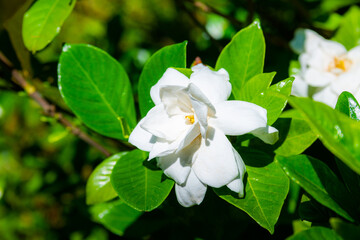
{"x": 340, "y": 63}
{"x": 190, "y": 119}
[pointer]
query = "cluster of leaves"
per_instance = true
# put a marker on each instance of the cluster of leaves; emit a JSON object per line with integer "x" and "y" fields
{"x": 97, "y": 90}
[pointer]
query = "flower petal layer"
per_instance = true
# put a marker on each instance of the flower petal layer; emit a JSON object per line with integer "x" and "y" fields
{"x": 141, "y": 138}
{"x": 267, "y": 134}
{"x": 192, "y": 192}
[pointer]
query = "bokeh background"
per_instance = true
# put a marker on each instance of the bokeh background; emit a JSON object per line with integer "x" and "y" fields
{"x": 44, "y": 168}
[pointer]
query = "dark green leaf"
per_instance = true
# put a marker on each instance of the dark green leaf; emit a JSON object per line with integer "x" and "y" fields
{"x": 318, "y": 233}
{"x": 98, "y": 186}
{"x": 138, "y": 186}
{"x": 97, "y": 89}
{"x": 319, "y": 181}
{"x": 169, "y": 56}
{"x": 42, "y": 22}
{"x": 116, "y": 216}
{"x": 243, "y": 57}
{"x": 264, "y": 179}
{"x": 346, "y": 230}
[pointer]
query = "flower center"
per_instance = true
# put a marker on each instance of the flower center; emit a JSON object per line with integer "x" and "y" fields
{"x": 339, "y": 65}
{"x": 190, "y": 119}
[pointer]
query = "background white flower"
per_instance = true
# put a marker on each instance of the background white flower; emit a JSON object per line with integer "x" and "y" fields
{"x": 327, "y": 68}
{"x": 186, "y": 131}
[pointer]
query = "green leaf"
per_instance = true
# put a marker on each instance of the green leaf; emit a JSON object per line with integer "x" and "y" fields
{"x": 243, "y": 57}
{"x": 255, "y": 86}
{"x": 318, "y": 233}
{"x": 42, "y": 22}
{"x": 319, "y": 181}
{"x": 97, "y": 89}
{"x": 339, "y": 133}
{"x": 345, "y": 230}
{"x": 264, "y": 179}
{"x": 115, "y": 216}
{"x": 169, "y": 56}
{"x": 98, "y": 186}
{"x": 299, "y": 138}
{"x": 349, "y": 31}
{"x": 274, "y": 99}
{"x": 137, "y": 185}
{"x": 348, "y": 104}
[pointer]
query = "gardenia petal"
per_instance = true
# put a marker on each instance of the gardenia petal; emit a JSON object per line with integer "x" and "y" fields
{"x": 141, "y": 138}
{"x": 176, "y": 100}
{"x": 299, "y": 87}
{"x": 215, "y": 163}
{"x": 215, "y": 85}
{"x": 192, "y": 192}
{"x": 170, "y": 78}
{"x": 237, "y": 184}
{"x": 238, "y": 117}
{"x": 267, "y": 134}
{"x": 316, "y": 78}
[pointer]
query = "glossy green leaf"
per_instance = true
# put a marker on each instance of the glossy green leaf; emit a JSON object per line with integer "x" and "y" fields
{"x": 98, "y": 186}
{"x": 255, "y": 86}
{"x": 97, "y": 89}
{"x": 299, "y": 138}
{"x": 243, "y": 57}
{"x": 42, "y": 22}
{"x": 115, "y": 216}
{"x": 138, "y": 186}
{"x": 339, "y": 133}
{"x": 274, "y": 99}
{"x": 349, "y": 32}
{"x": 319, "y": 181}
{"x": 264, "y": 179}
{"x": 344, "y": 229}
{"x": 318, "y": 233}
{"x": 348, "y": 104}
{"x": 169, "y": 56}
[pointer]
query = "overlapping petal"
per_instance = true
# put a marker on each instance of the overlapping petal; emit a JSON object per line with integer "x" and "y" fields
{"x": 141, "y": 138}
{"x": 191, "y": 192}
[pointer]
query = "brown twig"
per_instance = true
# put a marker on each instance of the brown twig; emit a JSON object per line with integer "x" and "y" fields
{"x": 49, "y": 109}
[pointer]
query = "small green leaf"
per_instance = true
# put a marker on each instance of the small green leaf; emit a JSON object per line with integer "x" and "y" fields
{"x": 274, "y": 99}
{"x": 42, "y": 22}
{"x": 318, "y": 233}
{"x": 319, "y": 181}
{"x": 264, "y": 179}
{"x": 243, "y": 57}
{"x": 138, "y": 186}
{"x": 339, "y": 133}
{"x": 97, "y": 89}
{"x": 255, "y": 86}
{"x": 348, "y": 104}
{"x": 98, "y": 186}
{"x": 349, "y": 32}
{"x": 299, "y": 138}
{"x": 169, "y": 56}
{"x": 115, "y": 216}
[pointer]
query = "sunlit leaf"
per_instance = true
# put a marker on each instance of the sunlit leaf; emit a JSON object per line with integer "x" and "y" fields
{"x": 43, "y": 21}
{"x": 169, "y": 56}
{"x": 265, "y": 191}
{"x": 243, "y": 57}
{"x": 348, "y": 104}
{"x": 115, "y": 216}
{"x": 97, "y": 89}
{"x": 255, "y": 86}
{"x": 319, "y": 181}
{"x": 98, "y": 186}
{"x": 318, "y": 233}
{"x": 137, "y": 185}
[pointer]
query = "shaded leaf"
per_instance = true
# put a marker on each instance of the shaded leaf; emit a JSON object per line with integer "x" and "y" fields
{"x": 346, "y": 230}
{"x": 42, "y": 22}
{"x": 318, "y": 233}
{"x": 243, "y": 57}
{"x": 138, "y": 186}
{"x": 97, "y": 89}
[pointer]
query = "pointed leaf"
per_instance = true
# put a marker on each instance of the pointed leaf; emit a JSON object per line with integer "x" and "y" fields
{"x": 137, "y": 185}
{"x": 115, "y": 216}
{"x": 243, "y": 57}
{"x": 42, "y": 22}
{"x": 169, "y": 56}
{"x": 97, "y": 89}
{"x": 98, "y": 186}
{"x": 265, "y": 191}
{"x": 255, "y": 86}
{"x": 318, "y": 233}
{"x": 348, "y": 104}
{"x": 339, "y": 133}
{"x": 319, "y": 181}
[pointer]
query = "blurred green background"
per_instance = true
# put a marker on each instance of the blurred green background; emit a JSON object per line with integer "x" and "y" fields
{"x": 44, "y": 168}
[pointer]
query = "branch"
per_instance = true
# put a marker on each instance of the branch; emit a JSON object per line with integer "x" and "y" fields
{"x": 49, "y": 109}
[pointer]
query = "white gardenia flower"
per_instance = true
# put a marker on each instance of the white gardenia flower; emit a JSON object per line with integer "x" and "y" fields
{"x": 327, "y": 69}
{"x": 186, "y": 131}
